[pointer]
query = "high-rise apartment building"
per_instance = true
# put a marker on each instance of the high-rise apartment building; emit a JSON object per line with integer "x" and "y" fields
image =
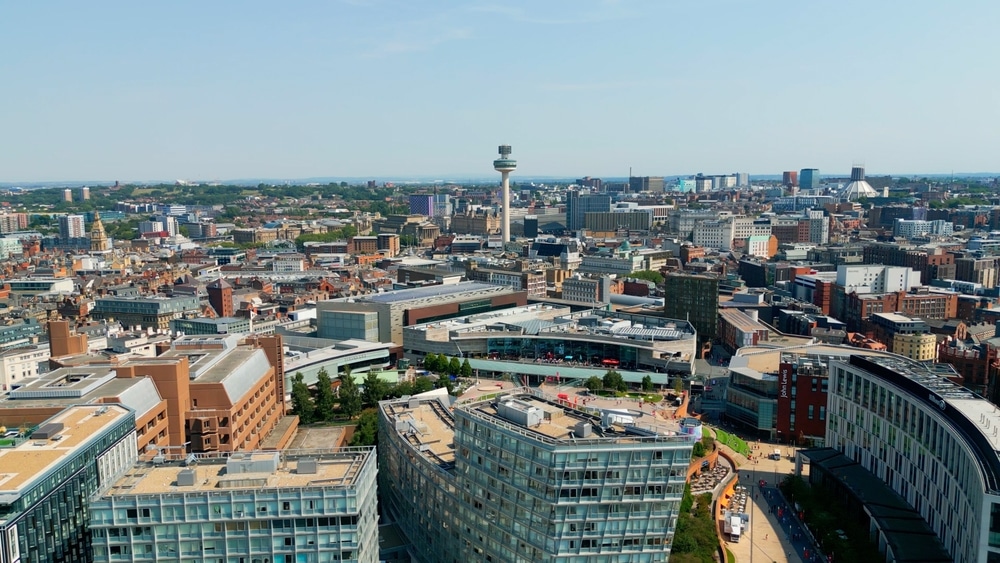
{"x": 301, "y": 505}
{"x": 422, "y": 204}
{"x": 695, "y": 298}
{"x": 645, "y": 184}
{"x": 525, "y": 478}
{"x": 809, "y": 178}
{"x": 71, "y": 226}
{"x": 790, "y": 178}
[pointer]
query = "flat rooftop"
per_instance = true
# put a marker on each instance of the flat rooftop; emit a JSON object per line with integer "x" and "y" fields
{"x": 427, "y": 422}
{"x": 333, "y": 468}
{"x": 767, "y": 359}
{"x": 29, "y": 461}
{"x": 441, "y": 291}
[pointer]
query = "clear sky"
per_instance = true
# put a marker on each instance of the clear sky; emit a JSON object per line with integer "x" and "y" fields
{"x": 215, "y": 90}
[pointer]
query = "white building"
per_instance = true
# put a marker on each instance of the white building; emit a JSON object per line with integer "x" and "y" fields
{"x": 288, "y": 263}
{"x": 930, "y": 440}
{"x": 819, "y": 227}
{"x": 20, "y": 363}
{"x": 909, "y": 228}
{"x": 71, "y": 226}
{"x": 876, "y": 278}
{"x": 150, "y": 227}
{"x": 714, "y": 234}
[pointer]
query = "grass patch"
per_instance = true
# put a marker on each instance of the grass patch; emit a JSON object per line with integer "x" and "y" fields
{"x": 734, "y": 442}
{"x": 730, "y": 558}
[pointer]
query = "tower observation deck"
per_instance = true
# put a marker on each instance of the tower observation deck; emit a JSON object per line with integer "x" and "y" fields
{"x": 505, "y": 165}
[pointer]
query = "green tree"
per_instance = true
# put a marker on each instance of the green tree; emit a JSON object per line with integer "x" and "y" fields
{"x": 350, "y": 395}
{"x": 648, "y": 275}
{"x": 422, "y": 385}
{"x": 302, "y": 401}
{"x": 614, "y": 381}
{"x": 594, "y": 384}
{"x": 431, "y": 362}
{"x": 454, "y": 367}
{"x": 466, "y": 368}
{"x": 324, "y": 395}
{"x": 366, "y": 432}
{"x": 375, "y": 389}
{"x": 446, "y": 383}
{"x": 698, "y": 450}
{"x": 678, "y": 385}
{"x": 647, "y": 383}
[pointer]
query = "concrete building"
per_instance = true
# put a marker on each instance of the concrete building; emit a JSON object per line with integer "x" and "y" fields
{"x": 147, "y": 312}
{"x": 645, "y": 184}
{"x": 589, "y": 289}
{"x": 819, "y": 227}
{"x": 71, "y": 226}
{"x": 739, "y": 329}
{"x": 254, "y": 236}
{"x": 926, "y": 438}
{"x": 762, "y": 246}
{"x": 220, "y": 325}
{"x": 921, "y": 347}
{"x": 22, "y": 362}
{"x": 876, "y": 278}
{"x": 465, "y": 484}
{"x": 578, "y": 205}
{"x": 50, "y": 477}
{"x": 780, "y": 394}
{"x": 716, "y": 234}
{"x": 40, "y": 286}
{"x": 905, "y": 228}
{"x": 352, "y": 317}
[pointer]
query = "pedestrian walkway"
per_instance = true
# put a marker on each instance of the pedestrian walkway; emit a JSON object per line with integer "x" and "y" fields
{"x": 774, "y": 533}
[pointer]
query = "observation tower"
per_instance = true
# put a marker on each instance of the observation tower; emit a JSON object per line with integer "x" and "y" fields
{"x": 505, "y": 165}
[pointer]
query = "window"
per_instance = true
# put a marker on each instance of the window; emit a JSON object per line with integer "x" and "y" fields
{"x": 810, "y": 414}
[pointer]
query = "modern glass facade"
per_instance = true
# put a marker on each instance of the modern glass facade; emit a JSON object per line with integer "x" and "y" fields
{"x": 46, "y": 520}
{"x": 930, "y": 440}
{"x": 308, "y": 506}
{"x": 506, "y": 492}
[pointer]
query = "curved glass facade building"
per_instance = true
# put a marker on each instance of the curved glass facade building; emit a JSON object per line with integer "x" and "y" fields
{"x": 931, "y": 440}
{"x": 524, "y": 477}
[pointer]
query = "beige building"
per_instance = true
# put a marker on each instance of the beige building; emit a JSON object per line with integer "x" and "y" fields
{"x": 919, "y": 347}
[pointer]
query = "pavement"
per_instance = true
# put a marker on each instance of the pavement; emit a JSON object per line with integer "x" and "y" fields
{"x": 770, "y": 537}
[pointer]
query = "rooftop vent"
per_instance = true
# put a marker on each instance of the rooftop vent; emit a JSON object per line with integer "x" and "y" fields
{"x": 186, "y": 478}
{"x": 307, "y": 466}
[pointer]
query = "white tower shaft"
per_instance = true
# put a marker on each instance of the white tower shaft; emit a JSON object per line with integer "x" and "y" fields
{"x": 505, "y": 220}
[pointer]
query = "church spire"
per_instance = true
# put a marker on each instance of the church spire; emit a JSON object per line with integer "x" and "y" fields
{"x": 98, "y": 236}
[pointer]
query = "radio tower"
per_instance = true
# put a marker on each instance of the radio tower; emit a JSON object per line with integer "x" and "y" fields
{"x": 505, "y": 166}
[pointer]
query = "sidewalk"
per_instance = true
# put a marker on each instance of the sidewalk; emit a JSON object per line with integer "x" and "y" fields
{"x": 767, "y": 536}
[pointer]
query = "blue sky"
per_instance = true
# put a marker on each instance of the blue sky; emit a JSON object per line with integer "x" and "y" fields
{"x": 140, "y": 91}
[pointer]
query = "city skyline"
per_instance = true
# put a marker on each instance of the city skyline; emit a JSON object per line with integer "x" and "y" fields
{"x": 360, "y": 89}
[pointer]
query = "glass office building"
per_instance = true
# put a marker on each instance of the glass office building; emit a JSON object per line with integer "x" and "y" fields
{"x": 294, "y": 506}
{"x": 523, "y": 477}
{"x": 47, "y": 479}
